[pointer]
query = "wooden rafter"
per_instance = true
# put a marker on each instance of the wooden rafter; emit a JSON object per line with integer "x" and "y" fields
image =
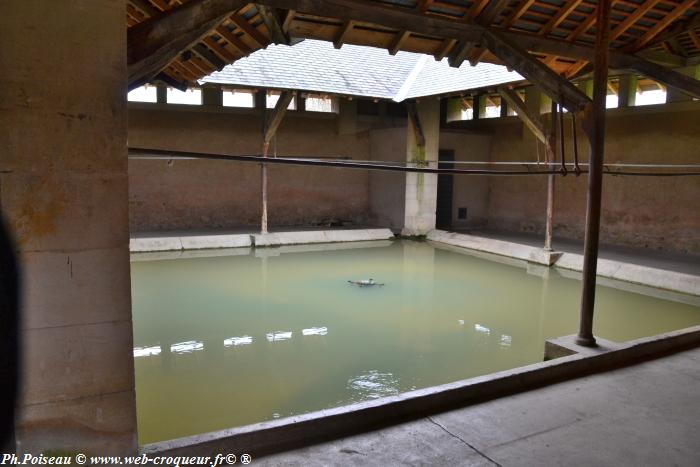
{"x": 248, "y": 29}
{"x": 461, "y": 52}
{"x": 662, "y": 24}
{"x": 398, "y": 42}
{"x": 288, "y": 20}
{"x": 444, "y": 49}
{"x": 529, "y": 119}
{"x": 517, "y": 13}
{"x": 344, "y": 31}
{"x": 491, "y": 11}
{"x": 277, "y": 115}
{"x": 635, "y": 16}
{"x": 234, "y": 40}
{"x": 271, "y": 20}
{"x": 694, "y": 38}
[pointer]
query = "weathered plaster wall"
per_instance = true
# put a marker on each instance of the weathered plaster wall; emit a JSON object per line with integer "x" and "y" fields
{"x": 387, "y": 190}
{"x": 471, "y": 192}
{"x": 657, "y": 213}
{"x": 201, "y": 194}
{"x": 63, "y": 190}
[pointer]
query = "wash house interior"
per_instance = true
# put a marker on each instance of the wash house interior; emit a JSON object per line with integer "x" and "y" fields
{"x": 396, "y": 232}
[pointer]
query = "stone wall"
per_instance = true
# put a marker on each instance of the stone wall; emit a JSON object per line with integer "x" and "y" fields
{"x": 198, "y": 194}
{"x": 648, "y": 212}
{"x": 63, "y": 191}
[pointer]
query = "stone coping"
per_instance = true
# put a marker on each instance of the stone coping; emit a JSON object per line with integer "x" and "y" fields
{"x": 293, "y": 432}
{"x": 626, "y": 272}
{"x": 142, "y": 244}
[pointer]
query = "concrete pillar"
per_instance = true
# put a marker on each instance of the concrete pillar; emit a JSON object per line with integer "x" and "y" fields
{"x": 64, "y": 193}
{"x": 627, "y": 91}
{"x": 673, "y": 95}
{"x": 212, "y": 96}
{"x": 421, "y": 189}
{"x": 347, "y": 117}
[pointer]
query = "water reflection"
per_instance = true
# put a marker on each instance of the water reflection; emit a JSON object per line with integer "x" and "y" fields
{"x": 373, "y": 385}
{"x": 482, "y": 329}
{"x": 146, "y": 351}
{"x": 315, "y": 331}
{"x": 186, "y": 347}
{"x": 278, "y": 336}
{"x": 235, "y": 341}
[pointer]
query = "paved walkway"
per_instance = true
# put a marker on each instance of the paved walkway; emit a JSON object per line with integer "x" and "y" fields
{"x": 643, "y": 415}
{"x": 688, "y": 264}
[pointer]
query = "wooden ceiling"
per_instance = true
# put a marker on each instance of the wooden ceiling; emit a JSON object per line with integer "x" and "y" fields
{"x": 664, "y": 31}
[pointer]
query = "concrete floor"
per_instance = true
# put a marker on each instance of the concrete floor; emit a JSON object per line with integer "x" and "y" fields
{"x": 688, "y": 264}
{"x": 643, "y": 415}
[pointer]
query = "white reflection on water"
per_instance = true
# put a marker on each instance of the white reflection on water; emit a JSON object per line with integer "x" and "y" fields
{"x": 315, "y": 331}
{"x": 146, "y": 351}
{"x": 480, "y": 328}
{"x": 373, "y": 385}
{"x": 186, "y": 347}
{"x": 506, "y": 340}
{"x": 233, "y": 341}
{"x": 460, "y": 322}
{"x": 278, "y": 336}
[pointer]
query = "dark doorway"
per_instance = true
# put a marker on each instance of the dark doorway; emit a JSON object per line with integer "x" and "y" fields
{"x": 443, "y": 212}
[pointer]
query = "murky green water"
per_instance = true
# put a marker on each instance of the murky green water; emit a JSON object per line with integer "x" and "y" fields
{"x": 229, "y": 340}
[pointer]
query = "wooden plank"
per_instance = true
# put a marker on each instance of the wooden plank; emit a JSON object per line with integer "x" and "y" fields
{"x": 209, "y": 56}
{"x": 219, "y": 50}
{"x": 277, "y": 115}
{"x": 146, "y": 7}
{"x": 444, "y": 48}
{"x": 560, "y": 16}
{"x": 662, "y": 24}
{"x": 234, "y": 40}
{"x": 491, "y": 12}
{"x": 344, "y": 31}
{"x": 632, "y": 18}
{"x": 517, "y": 13}
{"x": 269, "y": 16}
{"x": 154, "y": 43}
{"x": 288, "y": 20}
{"x": 248, "y": 28}
{"x": 531, "y": 121}
{"x": 398, "y": 42}
{"x": 416, "y": 126}
{"x": 515, "y": 57}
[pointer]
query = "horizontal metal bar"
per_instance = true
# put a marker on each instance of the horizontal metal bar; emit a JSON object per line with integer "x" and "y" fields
{"x": 142, "y": 153}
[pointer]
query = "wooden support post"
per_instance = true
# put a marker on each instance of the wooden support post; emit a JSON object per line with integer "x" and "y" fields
{"x": 269, "y": 131}
{"x": 162, "y": 94}
{"x": 594, "y": 127}
{"x": 530, "y": 120}
{"x": 415, "y": 124}
{"x": 550, "y": 158}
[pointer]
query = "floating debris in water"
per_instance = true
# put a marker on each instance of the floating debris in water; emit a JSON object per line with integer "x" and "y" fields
{"x": 234, "y": 341}
{"x": 373, "y": 385}
{"x": 482, "y": 329}
{"x": 278, "y": 336}
{"x": 315, "y": 331}
{"x": 146, "y": 351}
{"x": 186, "y": 347}
{"x": 365, "y": 283}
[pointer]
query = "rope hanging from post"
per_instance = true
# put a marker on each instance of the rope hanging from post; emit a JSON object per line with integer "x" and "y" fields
{"x": 577, "y": 169}
{"x": 561, "y": 141}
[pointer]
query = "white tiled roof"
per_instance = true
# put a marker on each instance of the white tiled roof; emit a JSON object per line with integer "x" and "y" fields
{"x": 313, "y": 65}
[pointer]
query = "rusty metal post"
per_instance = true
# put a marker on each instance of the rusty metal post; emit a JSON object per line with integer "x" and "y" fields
{"x": 594, "y": 125}
{"x": 263, "y": 217}
{"x": 550, "y": 159}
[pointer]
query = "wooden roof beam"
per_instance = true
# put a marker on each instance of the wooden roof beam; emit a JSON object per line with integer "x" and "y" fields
{"x": 662, "y": 24}
{"x": 461, "y": 52}
{"x": 272, "y": 22}
{"x": 155, "y": 42}
{"x": 491, "y": 11}
{"x": 234, "y": 40}
{"x": 248, "y": 29}
{"x": 444, "y": 49}
{"x": 146, "y": 7}
{"x": 277, "y": 115}
{"x": 560, "y": 16}
{"x": 344, "y": 31}
{"x": 398, "y": 42}
{"x": 517, "y": 12}
{"x": 515, "y": 57}
{"x": 632, "y": 18}
{"x": 529, "y": 119}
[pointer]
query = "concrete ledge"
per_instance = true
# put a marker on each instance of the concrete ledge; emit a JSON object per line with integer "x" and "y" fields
{"x": 278, "y": 435}
{"x": 498, "y": 247}
{"x": 626, "y": 272}
{"x": 320, "y": 236}
{"x": 188, "y": 242}
{"x": 636, "y": 274}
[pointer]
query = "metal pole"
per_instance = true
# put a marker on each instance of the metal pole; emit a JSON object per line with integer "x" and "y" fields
{"x": 594, "y": 118}
{"x": 263, "y": 218}
{"x": 551, "y": 144}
